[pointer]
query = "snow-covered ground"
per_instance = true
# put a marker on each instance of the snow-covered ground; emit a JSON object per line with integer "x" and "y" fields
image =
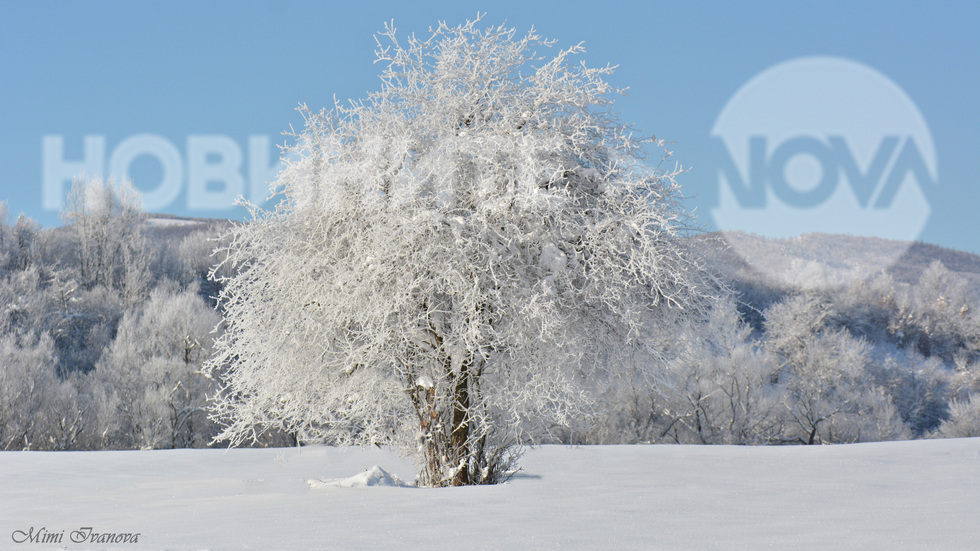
{"x": 889, "y": 496}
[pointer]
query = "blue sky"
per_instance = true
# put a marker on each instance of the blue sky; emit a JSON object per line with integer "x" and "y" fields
{"x": 213, "y": 75}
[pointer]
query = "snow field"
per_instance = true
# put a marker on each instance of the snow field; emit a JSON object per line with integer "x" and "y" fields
{"x": 888, "y": 496}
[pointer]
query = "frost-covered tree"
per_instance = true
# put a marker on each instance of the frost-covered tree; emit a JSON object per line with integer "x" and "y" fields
{"x": 106, "y": 218}
{"x": 938, "y": 316}
{"x": 28, "y": 378}
{"x": 458, "y": 262}
{"x": 920, "y": 388}
{"x": 149, "y": 387}
{"x": 8, "y": 240}
{"x": 18, "y": 243}
{"x": 194, "y": 257}
{"x": 24, "y": 302}
{"x": 722, "y": 389}
{"x": 822, "y": 376}
{"x": 963, "y": 421}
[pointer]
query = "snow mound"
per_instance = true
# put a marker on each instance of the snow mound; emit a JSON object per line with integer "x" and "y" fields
{"x": 375, "y": 476}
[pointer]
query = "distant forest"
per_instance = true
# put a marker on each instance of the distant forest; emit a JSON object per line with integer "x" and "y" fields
{"x": 106, "y": 321}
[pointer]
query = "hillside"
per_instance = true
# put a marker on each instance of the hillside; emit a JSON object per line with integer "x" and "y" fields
{"x": 738, "y": 253}
{"x": 828, "y": 258}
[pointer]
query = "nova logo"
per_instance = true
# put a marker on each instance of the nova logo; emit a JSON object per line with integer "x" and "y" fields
{"x": 823, "y": 144}
{"x": 797, "y": 185}
{"x": 213, "y": 171}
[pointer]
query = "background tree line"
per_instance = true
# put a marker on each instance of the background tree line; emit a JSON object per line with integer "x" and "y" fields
{"x": 106, "y": 322}
{"x": 104, "y": 326}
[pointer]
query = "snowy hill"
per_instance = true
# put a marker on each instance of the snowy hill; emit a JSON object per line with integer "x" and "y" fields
{"x": 170, "y": 229}
{"x": 826, "y": 255}
{"x": 889, "y": 496}
{"x": 820, "y": 259}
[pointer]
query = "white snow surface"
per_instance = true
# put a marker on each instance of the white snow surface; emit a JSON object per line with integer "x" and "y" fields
{"x": 888, "y": 496}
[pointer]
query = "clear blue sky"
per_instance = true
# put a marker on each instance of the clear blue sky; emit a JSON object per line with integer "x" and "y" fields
{"x": 229, "y": 71}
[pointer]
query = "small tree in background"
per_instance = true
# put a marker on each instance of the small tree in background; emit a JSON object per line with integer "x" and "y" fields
{"x": 824, "y": 377}
{"x": 107, "y": 220}
{"x": 149, "y": 389}
{"x": 938, "y": 316}
{"x": 721, "y": 389}
{"x": 964, "y": 419}
{"x": 459, "y": 263}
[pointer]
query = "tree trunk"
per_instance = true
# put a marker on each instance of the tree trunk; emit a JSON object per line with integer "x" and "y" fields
{"x": 458, "y": 441}
{"x": 429, "y": 418}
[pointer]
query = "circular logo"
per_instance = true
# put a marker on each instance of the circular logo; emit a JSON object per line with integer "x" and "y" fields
{"x": 822, "y": 145}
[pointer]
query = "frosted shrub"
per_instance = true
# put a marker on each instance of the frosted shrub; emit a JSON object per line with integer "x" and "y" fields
{"x": 964, "y": 419}
{"x": 822, "y": 377}
{"x": 720, "y": 387}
